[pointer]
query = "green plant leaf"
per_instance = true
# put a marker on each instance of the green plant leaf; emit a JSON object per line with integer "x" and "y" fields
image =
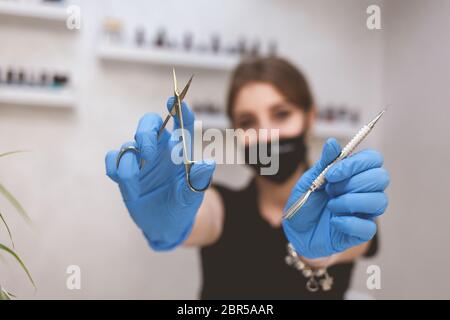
{"x": 4, "y": 295}
{"x": 15, "y": 203}
{"x": 10, "y": 294}
{"x": 16, "y": 256}
{"x": 7, "y": 229}
{"x": 11, "y": 153}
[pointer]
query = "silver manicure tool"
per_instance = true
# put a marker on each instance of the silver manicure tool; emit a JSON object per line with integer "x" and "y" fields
{"x": 320, "y": 180}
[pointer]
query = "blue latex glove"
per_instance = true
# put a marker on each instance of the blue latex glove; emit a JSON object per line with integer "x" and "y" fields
{"x": 341, "y": 214}
{"x": 157, "y": 196}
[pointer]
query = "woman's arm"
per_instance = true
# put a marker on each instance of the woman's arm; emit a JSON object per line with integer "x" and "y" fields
{"x": 209, "y": 221}
{"x": 353, "y": 253}
{"x": 348, "y": 255}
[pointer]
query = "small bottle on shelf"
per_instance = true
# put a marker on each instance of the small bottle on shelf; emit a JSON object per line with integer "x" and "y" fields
{"x": 215, "y": 43}
{"x": 161, "y": 38}
{"x": 354, "y": 117}
{"x": 60, "y": 80}
{"x": 112, "y": 29}
{"x": 140, "y": 37}
{"x": 10, "y": 76}
{"x": 21, "y": 79}
{"x": 44, "y": 79}
{"x": 188, "y": 41}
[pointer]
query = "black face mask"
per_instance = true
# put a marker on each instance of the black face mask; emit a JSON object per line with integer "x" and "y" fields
{"x": 292, "y": 153}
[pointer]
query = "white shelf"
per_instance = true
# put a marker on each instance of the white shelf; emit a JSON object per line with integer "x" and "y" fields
{"x": 46, "y": 12}
{"x": 209, "y": 61}
{"x": 37, "y": 97}
{"x": 335, "y": 130}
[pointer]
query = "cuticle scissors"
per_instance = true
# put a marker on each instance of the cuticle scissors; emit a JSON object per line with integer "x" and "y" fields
{"x": 176, "y": 110}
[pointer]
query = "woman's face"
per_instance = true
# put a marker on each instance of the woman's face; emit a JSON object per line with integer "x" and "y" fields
{"x": 260, "y": 105}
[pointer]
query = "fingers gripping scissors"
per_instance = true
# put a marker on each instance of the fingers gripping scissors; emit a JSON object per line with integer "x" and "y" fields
{"x": 176, "y": 110}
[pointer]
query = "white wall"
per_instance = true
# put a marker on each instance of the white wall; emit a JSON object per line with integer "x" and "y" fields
{"x": 416, "y": 146}
{"x": 77, "y": 212}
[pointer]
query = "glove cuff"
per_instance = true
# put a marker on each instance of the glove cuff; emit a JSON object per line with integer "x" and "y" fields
{"x": 161, "y": 245}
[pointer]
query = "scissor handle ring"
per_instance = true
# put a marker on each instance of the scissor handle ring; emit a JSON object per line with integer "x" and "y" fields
{"x": 129, "y": 149}
{"x": 188, "y": 179}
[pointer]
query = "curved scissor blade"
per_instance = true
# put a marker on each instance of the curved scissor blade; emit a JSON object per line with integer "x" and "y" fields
{"x": 186, "y": 88}
{"x": 175, "y": 86}
{"x": 178, "y": 96}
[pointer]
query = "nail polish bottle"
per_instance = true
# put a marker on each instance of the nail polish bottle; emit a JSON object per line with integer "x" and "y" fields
{"x": 341, "y": 114}
{"x": 44, "y": 79}
{"x": 10, "y": 77}
{"x": 354, "y": 117}
{"x": 21, "y": 78}
{"x": 160, "y": 40}
{"x": 188, "y": 41}
{"x": 31, "y": 79}
{"x": 140, "y": 37}
{"x": 112, "y": 30}
{"x": 59, "y": 80}
{"x": 330, "y": 114}
{"x": 215, "y": 43}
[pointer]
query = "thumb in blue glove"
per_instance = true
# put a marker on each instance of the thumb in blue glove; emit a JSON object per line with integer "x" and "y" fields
{"x": 157, "y": 196}
{"x": 341, "y": 213}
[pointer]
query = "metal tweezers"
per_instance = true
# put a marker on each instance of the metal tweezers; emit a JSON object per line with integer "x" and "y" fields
{"x": 176, "y": 110}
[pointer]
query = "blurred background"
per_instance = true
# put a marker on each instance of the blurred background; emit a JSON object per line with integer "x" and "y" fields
{"x": 69, "y": 95}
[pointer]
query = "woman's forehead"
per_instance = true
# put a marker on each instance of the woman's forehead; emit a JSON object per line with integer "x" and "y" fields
{"x": 257, "y": 96}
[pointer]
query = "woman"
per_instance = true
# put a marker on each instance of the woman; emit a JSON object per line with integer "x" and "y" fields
{"x": 242, "y": 234}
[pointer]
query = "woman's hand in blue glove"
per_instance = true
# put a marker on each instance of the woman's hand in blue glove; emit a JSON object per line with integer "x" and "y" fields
{"x": 157, "y": 196}
{"x": 342, "y": 213}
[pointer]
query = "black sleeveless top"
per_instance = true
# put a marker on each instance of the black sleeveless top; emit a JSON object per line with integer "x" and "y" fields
{"x": 247, "y": 262}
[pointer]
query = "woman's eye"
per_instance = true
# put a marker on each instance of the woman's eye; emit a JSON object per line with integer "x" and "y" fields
{"x": 245, "y": 123}
{"x": 281, "y": 115}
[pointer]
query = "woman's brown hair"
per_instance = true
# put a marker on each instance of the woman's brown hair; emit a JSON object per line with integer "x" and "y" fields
{"x": 286, "y": 78}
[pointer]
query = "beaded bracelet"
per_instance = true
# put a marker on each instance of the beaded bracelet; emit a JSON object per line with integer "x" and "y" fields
{"x": 317, "y": 278}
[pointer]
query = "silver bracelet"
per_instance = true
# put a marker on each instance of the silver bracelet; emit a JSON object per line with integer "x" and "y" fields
{"x": 317, "y": 278}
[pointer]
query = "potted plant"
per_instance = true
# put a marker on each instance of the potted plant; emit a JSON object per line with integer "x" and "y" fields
{"x": 9, "y": 249}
